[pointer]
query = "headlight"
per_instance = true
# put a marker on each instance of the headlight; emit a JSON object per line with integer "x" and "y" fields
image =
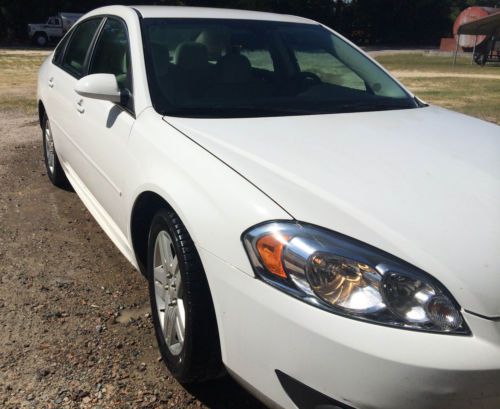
{"x": 351, "y": 278}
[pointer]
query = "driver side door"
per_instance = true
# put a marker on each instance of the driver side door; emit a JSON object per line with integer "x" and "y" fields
{"x": 105, "y": 126}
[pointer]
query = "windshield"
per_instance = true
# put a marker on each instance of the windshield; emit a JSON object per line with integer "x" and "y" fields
{"x": 245, "y": 68}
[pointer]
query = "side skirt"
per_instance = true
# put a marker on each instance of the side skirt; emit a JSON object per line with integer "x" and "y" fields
{"x": 99, "y": 214}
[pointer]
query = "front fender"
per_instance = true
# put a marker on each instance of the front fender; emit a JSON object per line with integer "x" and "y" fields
{"x": 215, "y": 203}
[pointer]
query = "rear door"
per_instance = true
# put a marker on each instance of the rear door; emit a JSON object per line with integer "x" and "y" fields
{"x": 68, "y": 65}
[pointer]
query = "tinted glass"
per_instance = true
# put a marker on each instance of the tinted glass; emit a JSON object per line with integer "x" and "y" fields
{"x": 233, "y": 68}
{"x": 58, "y": 53}
{"x": 112, "y": 55}
{"x": 328, "y": 68}
{"x": 76, "y": 51}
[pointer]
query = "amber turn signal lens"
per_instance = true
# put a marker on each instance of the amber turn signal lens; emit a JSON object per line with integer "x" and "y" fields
{"x": 270, "y": 249}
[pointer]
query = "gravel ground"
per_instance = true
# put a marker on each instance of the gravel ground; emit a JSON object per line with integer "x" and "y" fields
{"x": 75, "y": 327}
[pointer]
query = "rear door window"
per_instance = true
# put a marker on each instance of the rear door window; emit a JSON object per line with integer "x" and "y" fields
{"x": 78, "y": 47}
{"x": 58, "y": 53}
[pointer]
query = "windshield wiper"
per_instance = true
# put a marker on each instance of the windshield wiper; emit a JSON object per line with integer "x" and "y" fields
{"x": 240, "y": 111}
{"x": 371, "y": 106}
{"x": 256, "y": 111}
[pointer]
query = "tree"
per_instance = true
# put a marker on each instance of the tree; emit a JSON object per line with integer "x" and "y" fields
{"x": 372, "y": 21}
{"x": 401, "y": 21}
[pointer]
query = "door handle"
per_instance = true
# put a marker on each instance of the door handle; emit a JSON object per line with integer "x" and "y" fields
{"x": 51, "y": 82}
{"x": 79, "y": 106}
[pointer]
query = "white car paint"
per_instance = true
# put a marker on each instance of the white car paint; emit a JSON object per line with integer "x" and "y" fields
{"x": 99, "y": 86}
{"x": 431, "y": 195}
{"x": 422, "y": 184}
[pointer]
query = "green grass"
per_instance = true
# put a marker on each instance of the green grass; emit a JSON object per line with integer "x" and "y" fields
{"x": 472, "y": 95}
{"x": 434, "y": 79}
{"x": 18, "y": 75}
{"x": 9, "y": 61}
{"x": 480, "y": 98}
{"x": 435, "y": 63}
{"x": 17, "y": 103}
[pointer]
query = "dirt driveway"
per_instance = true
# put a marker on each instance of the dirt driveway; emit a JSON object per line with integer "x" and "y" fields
{"x": 75, "y": 329}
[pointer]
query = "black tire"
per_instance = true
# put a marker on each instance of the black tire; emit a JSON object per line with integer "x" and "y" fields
{"x": 200, "y": 358}
{"x": 483, "y": 60}
{"x": 55, "y": 172}
{"x": 41, "y": 40}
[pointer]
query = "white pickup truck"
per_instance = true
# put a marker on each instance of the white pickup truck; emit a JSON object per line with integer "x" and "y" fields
{"x": 53, "y": 29}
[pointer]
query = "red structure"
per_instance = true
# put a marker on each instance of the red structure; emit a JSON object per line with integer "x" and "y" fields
{"x": 466, "y": 16}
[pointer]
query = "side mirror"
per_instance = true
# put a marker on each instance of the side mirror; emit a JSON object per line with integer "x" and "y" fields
{"x": 99, "y": 86}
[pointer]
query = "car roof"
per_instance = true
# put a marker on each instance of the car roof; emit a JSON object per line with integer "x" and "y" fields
{"x": 206, "y": 12}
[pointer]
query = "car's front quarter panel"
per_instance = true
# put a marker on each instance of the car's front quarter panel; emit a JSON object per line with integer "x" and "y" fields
{"x": 215, "y": 203}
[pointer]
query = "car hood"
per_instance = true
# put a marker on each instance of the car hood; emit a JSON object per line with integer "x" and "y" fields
{"x": 422, "y": 184}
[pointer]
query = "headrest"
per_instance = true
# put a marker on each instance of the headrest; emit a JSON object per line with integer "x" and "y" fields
{"x": 191, "y": 56}
{"x": 235, "y": 69}
{"x": 161, "y": 58}
{"x": 216, "y": 41}
{"x": 113, "y": 60}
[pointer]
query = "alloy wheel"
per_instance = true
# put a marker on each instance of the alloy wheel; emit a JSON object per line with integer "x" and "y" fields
{"x": 49, "y": 148}
{"x": 168, "y": 293}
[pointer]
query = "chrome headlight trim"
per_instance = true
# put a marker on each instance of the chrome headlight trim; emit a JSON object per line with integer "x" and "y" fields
{"x": 368, "y": 267}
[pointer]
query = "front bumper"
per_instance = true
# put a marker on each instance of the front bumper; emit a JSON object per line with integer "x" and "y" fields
{"x": 359, "y": 364}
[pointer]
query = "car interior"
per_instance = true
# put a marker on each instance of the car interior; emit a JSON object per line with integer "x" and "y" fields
{"x": 229, "y": 67}
{"x": 111, "y": 55}
{"x": 198, "y": 69}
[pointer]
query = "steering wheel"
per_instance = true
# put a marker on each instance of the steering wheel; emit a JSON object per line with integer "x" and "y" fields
{"x": 310, "y": 77}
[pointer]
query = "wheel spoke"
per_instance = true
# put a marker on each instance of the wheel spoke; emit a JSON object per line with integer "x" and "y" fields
{"x": 160, "y": 275}
{"x": 162, "y": 247}
{"x": 161, "y": 295}
{"x": 178, "y": 283}
{"x": 169, "y": 327}
{"x": 168, "y": 292}
{"x": 174, "y": 265}
{"x": 181, "y": 320}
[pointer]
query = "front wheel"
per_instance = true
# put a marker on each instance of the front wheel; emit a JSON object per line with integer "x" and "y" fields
{"x": 181, "y": 304}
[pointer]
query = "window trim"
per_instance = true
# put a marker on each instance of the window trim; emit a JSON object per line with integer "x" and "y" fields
{"x": 71, "y": 34}
{"x": 90, "y": 57}
{"x": 94, "y": 44}
{"x": 63, "y": 42}
{"x": 90, "y": 52}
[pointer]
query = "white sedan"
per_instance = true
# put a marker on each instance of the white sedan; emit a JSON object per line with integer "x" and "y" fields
{"x": 305, "y": 222}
